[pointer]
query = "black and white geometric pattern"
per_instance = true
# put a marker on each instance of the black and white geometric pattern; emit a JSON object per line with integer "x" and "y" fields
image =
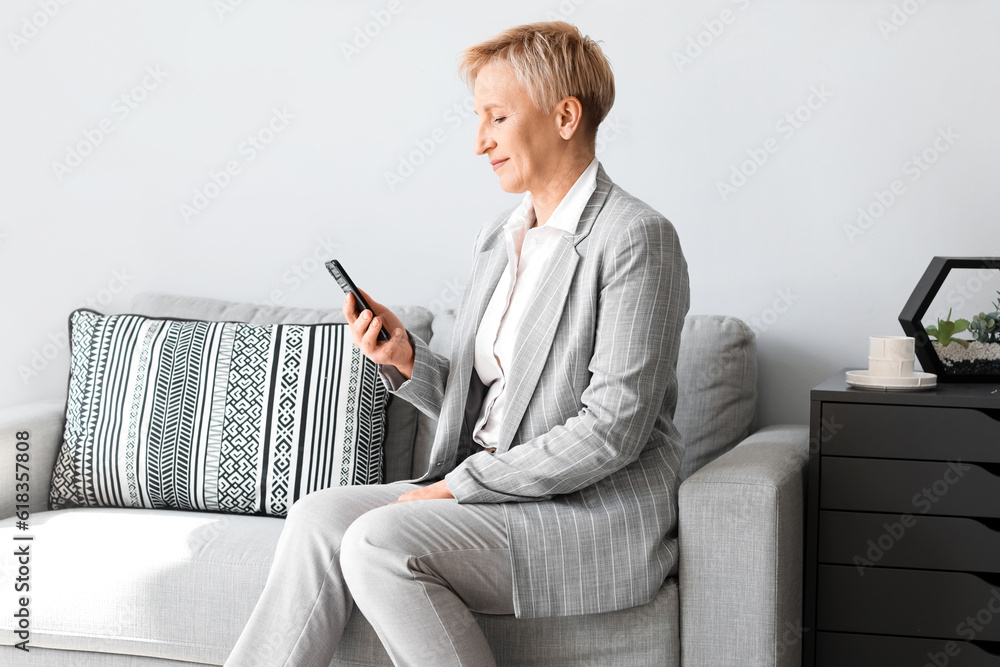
{"x": 216, "y": 416}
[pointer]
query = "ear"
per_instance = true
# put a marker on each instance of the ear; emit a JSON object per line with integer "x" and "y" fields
{"x": 568, "y": 117}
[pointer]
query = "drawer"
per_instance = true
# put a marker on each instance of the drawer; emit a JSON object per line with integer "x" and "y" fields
{"x": 835, "y": 649}
{"x": 915, "y": 487}
{"x": 910, "y": 432}
{"x": 910, "y": 541}
{"x": 908, "y": 603}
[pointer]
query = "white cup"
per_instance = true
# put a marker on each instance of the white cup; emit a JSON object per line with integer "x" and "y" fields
{"x": 890, "y": 356}
{"x": 890, "y": 368}
{"x": 890, "y": 347}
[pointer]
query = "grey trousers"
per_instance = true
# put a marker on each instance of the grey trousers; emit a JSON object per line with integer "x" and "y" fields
{"x": 414, "y": 569}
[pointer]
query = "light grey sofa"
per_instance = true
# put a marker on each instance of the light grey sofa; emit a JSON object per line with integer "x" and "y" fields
{"x": 158, "y": 588}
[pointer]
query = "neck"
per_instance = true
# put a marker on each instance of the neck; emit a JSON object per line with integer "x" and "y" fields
{"x": 546, "y": 199}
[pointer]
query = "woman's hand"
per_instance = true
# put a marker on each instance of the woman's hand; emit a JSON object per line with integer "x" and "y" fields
{"x": 435, "y": 491}
{"x": 364, "y": 332}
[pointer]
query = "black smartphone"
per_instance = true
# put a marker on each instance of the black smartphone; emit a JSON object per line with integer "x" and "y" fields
{"x": 346, "y": 284}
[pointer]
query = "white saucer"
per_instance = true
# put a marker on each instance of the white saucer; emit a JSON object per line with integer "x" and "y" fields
{"x": 918, "y": 380}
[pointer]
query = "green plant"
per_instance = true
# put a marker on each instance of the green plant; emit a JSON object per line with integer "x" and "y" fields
{"x": 986, "y": 327}
{"x": 945, "y": 329}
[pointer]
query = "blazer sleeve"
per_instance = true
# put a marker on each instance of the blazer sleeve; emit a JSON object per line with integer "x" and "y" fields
{"x": 425, "y": 388}
{"x": 642, "y": 302}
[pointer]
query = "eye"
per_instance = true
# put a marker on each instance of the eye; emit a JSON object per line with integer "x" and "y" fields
{"x": 500, "y": 119}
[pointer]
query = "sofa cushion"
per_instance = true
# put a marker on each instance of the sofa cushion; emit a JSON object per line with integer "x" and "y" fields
{"x": 401, "y": 417}
{"x": 178, "y": 585}
{"x": 163, "y": 583}
{"x": 218, "y": 416}
{"x": 717, "y": 387}
{"x": 49, "y": 657}
{"x": 643, "y": 636}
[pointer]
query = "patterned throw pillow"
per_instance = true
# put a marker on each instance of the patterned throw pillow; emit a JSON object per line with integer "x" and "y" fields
{"x": 217, "y": 416}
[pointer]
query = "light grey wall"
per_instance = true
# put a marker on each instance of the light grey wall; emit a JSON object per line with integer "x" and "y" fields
{"x": 703, "y": 87}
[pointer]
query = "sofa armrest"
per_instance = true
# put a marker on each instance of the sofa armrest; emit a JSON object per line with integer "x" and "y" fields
{"x": 44, "y": 424}
{"x": 741, "y": 533}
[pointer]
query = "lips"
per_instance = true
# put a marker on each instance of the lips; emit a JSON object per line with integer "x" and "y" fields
{"x": 496, "y": 164}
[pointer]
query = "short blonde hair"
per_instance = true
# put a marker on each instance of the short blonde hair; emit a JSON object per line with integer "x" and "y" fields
{"x": 552, "y": 60}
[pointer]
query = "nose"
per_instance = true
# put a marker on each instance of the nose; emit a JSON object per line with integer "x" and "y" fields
{"x": 484, "y": 139}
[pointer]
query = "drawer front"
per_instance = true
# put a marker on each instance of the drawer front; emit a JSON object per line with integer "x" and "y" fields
{"x": 911, "y": 432}
{"x": 841, "y": 650}
{"x": 908, "y": 603}
{"x": 911, "y": 541}
{"x": 915, "y": 487}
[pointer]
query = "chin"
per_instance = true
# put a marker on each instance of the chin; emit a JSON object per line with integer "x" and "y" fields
{"x": 515, "y": 188}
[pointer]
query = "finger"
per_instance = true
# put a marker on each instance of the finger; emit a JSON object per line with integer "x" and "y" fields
{"x": 362, "y": 320}
{"x": 371, "y": 335}
{"x": 348, "y": 308}
{"x": 359, "y": 326}
{"x": 359, "y": 329}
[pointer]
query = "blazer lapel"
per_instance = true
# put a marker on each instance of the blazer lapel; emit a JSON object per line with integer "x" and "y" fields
{"x": 536, "y": 336}
{"x": 593, "y": 207}
{"x": 486, "y": 272}
{"x": 533, "y": 341}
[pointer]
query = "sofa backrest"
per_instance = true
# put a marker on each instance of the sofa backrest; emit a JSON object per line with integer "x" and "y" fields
{"x": 716, "y": 379}
{"x": 716, "y": 374}
{"x": 717, "y": 387}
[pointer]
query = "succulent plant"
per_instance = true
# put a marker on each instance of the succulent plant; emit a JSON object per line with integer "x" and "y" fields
{"x": 945, "y": 329}
{"x": 986, "y": 327}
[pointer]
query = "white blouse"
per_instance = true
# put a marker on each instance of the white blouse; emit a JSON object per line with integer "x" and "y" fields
{"x": 528, "y": 251}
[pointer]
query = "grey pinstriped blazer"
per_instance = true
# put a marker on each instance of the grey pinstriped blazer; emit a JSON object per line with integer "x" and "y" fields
{"x": 588, "y": 455}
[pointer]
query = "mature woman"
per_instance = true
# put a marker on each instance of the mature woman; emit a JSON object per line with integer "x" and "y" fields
{"x": 551, "y": 488}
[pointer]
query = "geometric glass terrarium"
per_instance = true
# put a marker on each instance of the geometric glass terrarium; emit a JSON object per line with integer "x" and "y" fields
{"x": 954, "y": 317}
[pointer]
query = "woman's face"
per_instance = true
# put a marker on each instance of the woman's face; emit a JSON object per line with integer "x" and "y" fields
{"x": 522, "y": 142}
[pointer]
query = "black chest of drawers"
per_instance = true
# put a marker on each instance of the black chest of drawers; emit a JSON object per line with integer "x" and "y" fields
{"x": 902, "y": 553}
